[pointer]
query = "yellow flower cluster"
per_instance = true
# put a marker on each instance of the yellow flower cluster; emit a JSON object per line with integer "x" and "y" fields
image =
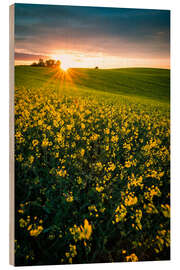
{"x": 150, "y": 208}
{"x": 130, "y": 199}
{"x": 162, "y": 239}
{"x": 134, "y": 182}
{"x": 105, "y": 159}
{"x": 99, "y": 189}
{"x": 35, "y": 228}
{"x": 69, "y": 197}
{"x": 82, "y": 232}
{"x": 72, "y": 253}
{"x": 152, "y": 191}
{"x": 138, "y": 219}
{"x": 93, "y": 210}
{"x": 61, "y": 171}
{"x": 165, "y": 210}
{"x": 132, "y": 258}
{"x": 120, "y": 213}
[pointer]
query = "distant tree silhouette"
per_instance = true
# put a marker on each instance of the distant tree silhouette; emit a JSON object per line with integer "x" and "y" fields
{"x": 48, "y": 63}
{"x": 41, "y": 63}
{"x": 96, "y": 67}
{"x": 34, "y": 64}
{"x": 58, "y": 63}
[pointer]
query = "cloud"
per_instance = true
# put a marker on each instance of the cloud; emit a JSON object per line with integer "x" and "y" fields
{"x": 28, "y": 57}
{"x": 113, "y": 31}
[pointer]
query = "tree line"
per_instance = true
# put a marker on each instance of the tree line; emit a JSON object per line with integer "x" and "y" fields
{"x": 47, "y": 63}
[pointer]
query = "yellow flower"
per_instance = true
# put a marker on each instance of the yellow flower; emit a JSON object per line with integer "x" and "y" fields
{"x": 83, "y": 126}
{"x": 94, "y": 137}
{"x": 62, "y": 172}
{"x": 165, "y": 210}
{"x": 114, "y": 139}
{"x": 132, "y": 258}
{"x": 127, "y": 164}
{"x": 69, "y": 197}
{"x": 150, "y": 208}
{"x": 130, "y": 200}
{"x": 138, "y": 219}
{"x": 36, "y": 231}
{"x": 93, "y": 210}
{"x": 40, "y": 122}
{"x": 112, "y": 166}
{"x": 86, "y": 230}
{"x": 82, "y": 151}
{"x": 79, "y": 180}
{"x": 21, "y": 211}
{"x": 69, "y": 127}
{"x": 45, "y": 142}
{"x": 29, "y": 227}
{"x": 31, "y": 159}
{"x": 22, "y": 223}
{"x": 120, "y": 213}
{"x": 127, "y": 146}
{"x": 73, "y": 250}
{"x": 82, "y": 232}
{"x": 59, "y": 137}
{"x": 106, "y": 131}
{"x": 132, "y": 181}
{"x": 99, "y": 189}
{"x": 19, "y": 158}
{"x": 35, "y": 142}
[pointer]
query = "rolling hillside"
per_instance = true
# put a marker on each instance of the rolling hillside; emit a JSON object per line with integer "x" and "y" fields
{"x": 140, "y": 82}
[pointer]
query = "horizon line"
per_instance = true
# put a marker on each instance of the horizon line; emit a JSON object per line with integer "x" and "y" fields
{"x": 168, "y": 68}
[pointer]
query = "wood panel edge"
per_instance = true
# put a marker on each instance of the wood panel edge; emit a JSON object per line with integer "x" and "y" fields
{"x": 11, "y": 138}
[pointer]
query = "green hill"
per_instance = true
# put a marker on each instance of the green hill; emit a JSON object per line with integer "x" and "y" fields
{"x": 148, "y": 83}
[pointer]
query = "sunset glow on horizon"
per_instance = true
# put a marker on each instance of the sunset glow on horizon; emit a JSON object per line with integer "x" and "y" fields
{"x": 86, "y": 37}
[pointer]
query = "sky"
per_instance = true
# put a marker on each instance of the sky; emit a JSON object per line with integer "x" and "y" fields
{"x": 92, "y": 36}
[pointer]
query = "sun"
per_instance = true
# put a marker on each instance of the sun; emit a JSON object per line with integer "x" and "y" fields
{"x": 65, "y": 60}
{"x": 64, "y": 66}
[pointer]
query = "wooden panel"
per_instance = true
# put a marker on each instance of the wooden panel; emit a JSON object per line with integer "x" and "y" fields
{"x": 11, "y": 135}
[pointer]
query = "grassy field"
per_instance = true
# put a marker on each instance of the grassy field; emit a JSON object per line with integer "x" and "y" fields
{"x": 92, "y": 165}
{"x": 138, "y": 82}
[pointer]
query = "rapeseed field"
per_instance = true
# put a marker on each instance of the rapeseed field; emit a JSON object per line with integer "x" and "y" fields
{"x": 92, "y": 172}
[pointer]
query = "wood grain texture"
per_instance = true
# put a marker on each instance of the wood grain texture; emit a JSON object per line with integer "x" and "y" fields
{"x": 11, "y": 137}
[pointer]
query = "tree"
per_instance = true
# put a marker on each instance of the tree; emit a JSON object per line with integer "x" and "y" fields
{"x": 34, "y": 64}
{"x": 58, "y": 63}
{"x": 41, "y": 63}
{"x": 48, "y": 63}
